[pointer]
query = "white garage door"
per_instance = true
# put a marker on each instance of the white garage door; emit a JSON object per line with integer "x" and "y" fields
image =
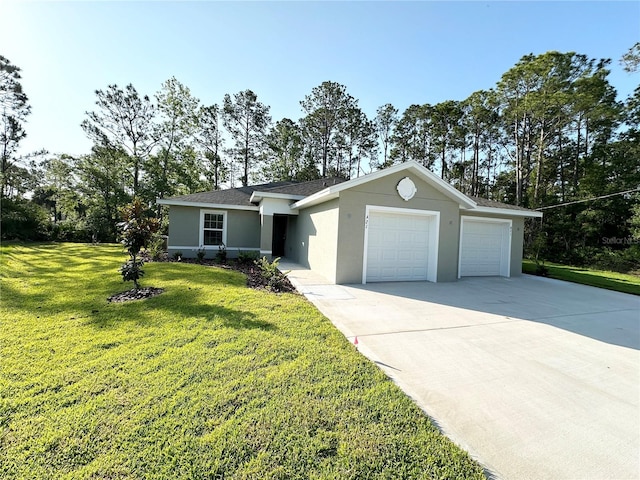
{"x": 485, "y": 247}
{"x": 400, "y": 246}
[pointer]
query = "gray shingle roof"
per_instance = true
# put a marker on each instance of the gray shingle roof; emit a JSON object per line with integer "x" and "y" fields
{"x": 241, "y": 195}
{"x": 304, "y": 188}
{"x": 484, "y": 202}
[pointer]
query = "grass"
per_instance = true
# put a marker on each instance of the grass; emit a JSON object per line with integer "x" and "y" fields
{"x": 208, "y": 380}
{"x": 620, "y": 282}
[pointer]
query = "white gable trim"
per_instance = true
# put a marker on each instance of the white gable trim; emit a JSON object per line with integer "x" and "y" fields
{"x": 429, "y": 177}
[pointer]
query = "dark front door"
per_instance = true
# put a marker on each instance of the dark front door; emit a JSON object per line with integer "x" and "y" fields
{"x": 279, "y": 235}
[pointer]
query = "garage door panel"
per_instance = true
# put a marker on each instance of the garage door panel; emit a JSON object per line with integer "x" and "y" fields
{"x": 484, "y": 248}
{"x": 398, "y": 246}
{"x": 388, "y": 255}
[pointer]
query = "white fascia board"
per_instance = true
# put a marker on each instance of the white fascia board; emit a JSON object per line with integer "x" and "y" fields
{"x": 221, "y": 206}
{"x": 319, "y": 197}
{"x": 257, "y": 196}
{"x": 507, "y": 212}
{"x": 413, "y": 166}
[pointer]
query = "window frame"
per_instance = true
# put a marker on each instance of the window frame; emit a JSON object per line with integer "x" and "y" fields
{"x": 204, "y": 212}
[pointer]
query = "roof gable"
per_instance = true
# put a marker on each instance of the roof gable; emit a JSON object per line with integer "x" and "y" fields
{"x": 412, "y": 166}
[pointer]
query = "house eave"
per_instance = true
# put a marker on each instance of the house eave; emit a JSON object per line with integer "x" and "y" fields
{"x": 222, "y": 206}
{"x": 507, "y": 212}
{"x": 320, "y": 197}
{"x": 258, "y": 196}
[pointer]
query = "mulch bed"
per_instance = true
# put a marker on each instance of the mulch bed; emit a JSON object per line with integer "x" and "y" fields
{"x": 255, "y": 278}
{"x": 133, "y": 294}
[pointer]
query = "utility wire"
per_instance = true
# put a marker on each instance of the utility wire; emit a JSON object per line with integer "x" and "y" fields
{"x": 589, "y": 199}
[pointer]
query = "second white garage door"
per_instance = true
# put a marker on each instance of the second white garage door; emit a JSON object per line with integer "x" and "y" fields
{"x": 401, "y": 245}
{"x": 485, "y": 247}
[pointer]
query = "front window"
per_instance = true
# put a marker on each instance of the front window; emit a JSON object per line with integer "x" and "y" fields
{"x": 213, "y": 229}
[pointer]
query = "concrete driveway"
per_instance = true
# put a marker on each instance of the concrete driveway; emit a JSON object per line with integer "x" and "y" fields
{"x": 535, "y": 378}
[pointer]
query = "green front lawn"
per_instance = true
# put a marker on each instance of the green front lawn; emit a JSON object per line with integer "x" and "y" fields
{"x": 208, "y": 380}
{"x": 620, "y": 282}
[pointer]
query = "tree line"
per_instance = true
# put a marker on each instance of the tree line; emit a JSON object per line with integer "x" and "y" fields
{"x": 551, "y": 132}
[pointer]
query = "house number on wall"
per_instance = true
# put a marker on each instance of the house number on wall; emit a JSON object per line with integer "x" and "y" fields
{"x": 406, "y": 189}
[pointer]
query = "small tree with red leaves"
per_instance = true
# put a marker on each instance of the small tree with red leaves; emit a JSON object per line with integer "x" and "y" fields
{"x": 136, "y": 231}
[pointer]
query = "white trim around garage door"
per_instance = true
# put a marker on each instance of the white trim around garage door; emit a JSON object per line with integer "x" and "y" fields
{"x": 505, "y": 269}
{"x": 434, "y": 232}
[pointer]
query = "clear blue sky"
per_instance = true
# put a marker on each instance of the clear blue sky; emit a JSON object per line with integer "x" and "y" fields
{"x": 395, "y": 52}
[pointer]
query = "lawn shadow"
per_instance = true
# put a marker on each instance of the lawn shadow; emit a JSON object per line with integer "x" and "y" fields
{"x": 173, "y": 306}
{"x": 56, "y": 284}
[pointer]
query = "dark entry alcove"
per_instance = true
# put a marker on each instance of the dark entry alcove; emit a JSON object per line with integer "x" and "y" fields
{"x": 279, "y": 235}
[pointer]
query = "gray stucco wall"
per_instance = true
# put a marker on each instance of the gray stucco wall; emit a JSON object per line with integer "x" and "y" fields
{"x": 183, "y": 226}
{"x": 312, "y": 238}
{"x": 243, "y": 230}
{"x": 383, "y": 192}
{"x": 517, "y": 238}
{"x": 266, "y": 235}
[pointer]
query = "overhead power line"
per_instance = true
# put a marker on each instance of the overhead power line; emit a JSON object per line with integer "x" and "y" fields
{"x": 589, "y": 199}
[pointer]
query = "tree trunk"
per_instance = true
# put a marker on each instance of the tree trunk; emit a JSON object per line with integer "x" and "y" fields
{"x": 216, "y": 170}
{"x": 245, "y": 176}
{"x": 562, "y": 173}
{"x": 519, "y": 154}
{"x": 325, "y": 154}
{"x": 577, "y": 157}
{"x": 476, "y": 164}
{"x": 536, "y": 190}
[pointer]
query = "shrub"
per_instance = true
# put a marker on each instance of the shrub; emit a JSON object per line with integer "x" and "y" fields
{"x": 200, "y": 254}
{"x": 23, "y": 220}
{"x": 221, "y": 256}
{"x": 70, "y": 231}
{"x": 155, "y": 249}
{"x": 177, "y": 256}
{"x": 247, "y": 257}
{"x": 274, "y": 278}
{"x": 625, "y": 260}
{"x": 542, "y": 270}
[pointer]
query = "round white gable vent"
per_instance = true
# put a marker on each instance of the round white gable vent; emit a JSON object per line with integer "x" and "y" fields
{"x": 406, "y": 189}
